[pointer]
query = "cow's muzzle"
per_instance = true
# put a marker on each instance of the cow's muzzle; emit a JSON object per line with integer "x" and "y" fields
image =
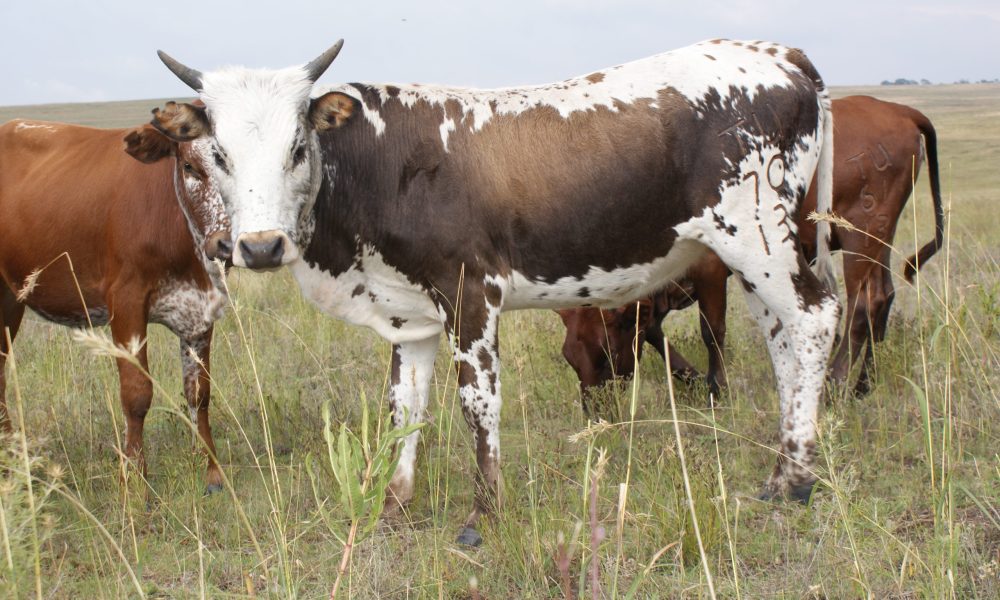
{"x": 219, "y": 245}
{"x": 264, "y": 250}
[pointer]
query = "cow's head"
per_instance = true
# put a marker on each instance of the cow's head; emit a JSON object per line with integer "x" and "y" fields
{"x": 599, "y": 343}
{"x": 258, "y": 129}
{"x": 196, "y": 191}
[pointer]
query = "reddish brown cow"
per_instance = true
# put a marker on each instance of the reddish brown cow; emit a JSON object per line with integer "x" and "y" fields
{"x": 877, "y": 156}
{"x": 90, "y": 236}
{"x": 591, "y": 332}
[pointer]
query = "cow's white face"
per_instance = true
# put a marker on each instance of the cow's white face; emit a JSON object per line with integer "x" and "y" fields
{"x": 264, "y": 158}
{"x": 259, "y": 131}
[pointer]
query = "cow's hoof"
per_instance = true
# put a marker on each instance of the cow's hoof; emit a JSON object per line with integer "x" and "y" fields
{"x": 469, "y": 537}
{"x": 213, "y": 488}
{"x": 766, "y": 495}
{"x": 803, "y": 492}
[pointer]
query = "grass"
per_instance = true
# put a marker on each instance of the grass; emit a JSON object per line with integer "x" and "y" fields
{"x": 909, "y": 506}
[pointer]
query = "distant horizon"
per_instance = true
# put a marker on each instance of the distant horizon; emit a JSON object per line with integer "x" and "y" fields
{"x": 192, "y": 96}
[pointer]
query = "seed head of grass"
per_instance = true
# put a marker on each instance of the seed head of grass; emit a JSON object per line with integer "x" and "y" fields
{"x": 29, "y": 285}
{"x": 591, "y": 431}
{"x": 100, "y": 344}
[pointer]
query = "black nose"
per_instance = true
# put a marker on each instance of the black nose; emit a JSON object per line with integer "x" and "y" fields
{"x": 264, "y": 254}
{"x": 224, "y": 249}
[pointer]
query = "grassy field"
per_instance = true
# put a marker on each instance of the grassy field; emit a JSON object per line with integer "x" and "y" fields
{"x": 909, "y": 505}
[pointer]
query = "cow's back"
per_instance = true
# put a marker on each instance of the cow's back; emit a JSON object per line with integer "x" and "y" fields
{"x": 70, "y": 191}
{"x": 877, "y": 157}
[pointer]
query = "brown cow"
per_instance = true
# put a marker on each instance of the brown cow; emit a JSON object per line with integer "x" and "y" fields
{"x": 877, "y": 156}
{"x": 90, "y": 236}
{"x": 590, "y": 332}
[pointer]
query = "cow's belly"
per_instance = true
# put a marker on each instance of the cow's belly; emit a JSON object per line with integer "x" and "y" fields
{"x": 373, "y": 294}
{"x": 94, "y": 317}
{"x": 186, "y": 309}
{"x": 606, "y": 289}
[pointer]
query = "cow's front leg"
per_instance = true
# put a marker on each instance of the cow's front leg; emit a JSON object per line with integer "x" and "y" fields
{"x": 412, "y": 369}
{"x": 195, "y": 356}
{"x": 128, "y": 330}
{"x": 478, "y": 362}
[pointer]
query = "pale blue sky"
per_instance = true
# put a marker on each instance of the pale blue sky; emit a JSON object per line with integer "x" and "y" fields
{"x": 54, "y": 51}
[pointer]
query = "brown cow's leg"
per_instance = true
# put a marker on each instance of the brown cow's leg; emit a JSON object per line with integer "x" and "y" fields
{"x": 478, "y": 362}
{"x": 195, "y": 355}
{"x": 128, "y": 330}
{"x": 863, "y": 294}
{"x": 11, "y": 312}
{"x": 679, "y": 366}
{"x": 711, "y": 291}
{"x": 880, "y": 303}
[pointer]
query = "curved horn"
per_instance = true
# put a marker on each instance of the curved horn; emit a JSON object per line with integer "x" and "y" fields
{"x": 189, "y": 76}
{"x": 322, "y": 62}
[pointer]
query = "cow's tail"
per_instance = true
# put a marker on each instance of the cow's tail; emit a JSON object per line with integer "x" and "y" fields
{"x": 824, "y": 194}
{"x": 930, "y": 248}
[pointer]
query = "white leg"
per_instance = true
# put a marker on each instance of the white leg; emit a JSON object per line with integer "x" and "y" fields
{"x": 753, "y": 231}
{"x": 478, "y": 361}
{"x": 412, "y": 369}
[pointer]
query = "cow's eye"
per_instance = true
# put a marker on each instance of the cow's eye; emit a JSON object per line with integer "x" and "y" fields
{"x": 220, "y": 161}
{"x": 300, "y": 153}
{"x": 188, "y": 168}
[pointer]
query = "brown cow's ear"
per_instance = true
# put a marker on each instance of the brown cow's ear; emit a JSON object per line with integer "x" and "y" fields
{"x": 331, "y": 110}
{"x": 148, "y": 145}
{"x": 627, "y": 314}
{"x": 566, "y": 314}
{"x": 181, "y": 122}
{"x": 645, "y": 313}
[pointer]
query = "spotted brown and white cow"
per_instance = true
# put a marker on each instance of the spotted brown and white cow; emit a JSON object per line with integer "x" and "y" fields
{"x": 877, "y": 158}
{"x": 417, "y": 210}
{"x": 89, "y": 236}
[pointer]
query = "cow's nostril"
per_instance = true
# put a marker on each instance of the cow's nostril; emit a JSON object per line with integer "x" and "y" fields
{"x": 224, "y": 249}
{"x": 277, "y": 250}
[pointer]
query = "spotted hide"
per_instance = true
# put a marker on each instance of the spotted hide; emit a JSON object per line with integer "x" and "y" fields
{"x": 417, "y": 210}
{"x": 89, "y": 236}
{"x": 877, "y": 157}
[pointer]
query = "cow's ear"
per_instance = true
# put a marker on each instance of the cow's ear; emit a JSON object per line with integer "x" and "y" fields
{"x": 148, "y": 145}
{"x": 181, "y": 122}
{"x": 330, "y": 111}
{"x": 566, "y": 314}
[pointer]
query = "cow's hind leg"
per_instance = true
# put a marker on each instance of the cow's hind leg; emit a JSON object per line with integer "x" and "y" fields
{"x": 860, "y": 275}
{"x": 881, "y": 302}
{"x": 412, "y": 370}
{"x": 195, "y": 356}
{"x": 11, "y": 312}
{"x": 474, "y": 343}
{"x": 798, "y": 316}
{"x": 710, "y": 287}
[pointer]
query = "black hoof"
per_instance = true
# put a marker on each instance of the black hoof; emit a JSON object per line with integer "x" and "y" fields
{"x": 765, "y": 495}
{"x": 802, "y": 493}
{"x": 213, "y": 488}
{"x": 470, "y": 537}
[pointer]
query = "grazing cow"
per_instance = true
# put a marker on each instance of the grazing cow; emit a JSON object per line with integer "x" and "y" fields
{"x": 877, "y": 156}
{"x": 417, "y": 210}
{"x": 599, "y": 342}
{"x": 89, "y": 236}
